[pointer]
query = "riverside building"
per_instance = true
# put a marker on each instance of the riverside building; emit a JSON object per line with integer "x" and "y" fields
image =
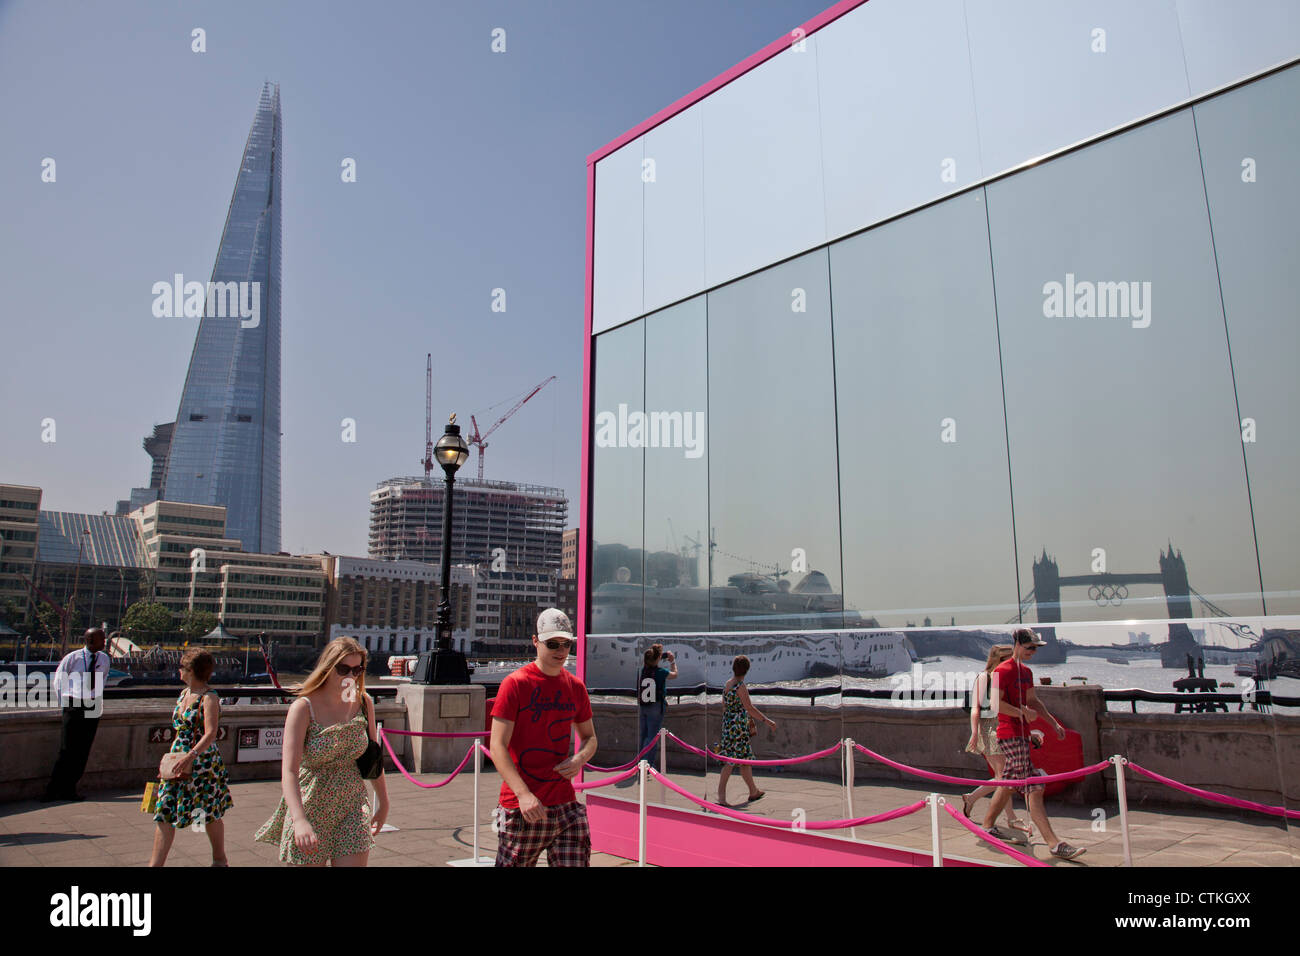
{"x": 393, "y": 605}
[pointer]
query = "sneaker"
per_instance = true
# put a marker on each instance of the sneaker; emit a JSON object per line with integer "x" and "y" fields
{"x": 1008, "y": 836}
{"x": 1064, "y": 851}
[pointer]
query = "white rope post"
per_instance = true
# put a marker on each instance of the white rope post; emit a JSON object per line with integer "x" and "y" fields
{"x": 478, "y": 765}
{"x": 848, "y": 782}
{"x": 644, "y": 769}
{"x": 1120, "y": 790}
{"x": 936, "y": 835}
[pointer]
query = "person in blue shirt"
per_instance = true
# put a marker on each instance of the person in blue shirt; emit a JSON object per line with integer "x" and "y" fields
{"x": 652, "y": 692}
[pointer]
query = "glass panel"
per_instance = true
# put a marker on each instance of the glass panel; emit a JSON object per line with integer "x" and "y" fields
{"x": 763, "y": 196}
{"x": 913, "y": 305}
{"x": 773, "y": 495}
{"x": 617, "y": 258}
{"x": 674, "y": 210}
{"x": 897, "y": 129}
{"x": 1042, "y": 80}
{"x": 617, "y": 468}
{"x": 1129, "y": 493}
{"x": 1249, "y": 139}
{"x": 1225, "y": 42}
{"x": 677, "y": 470}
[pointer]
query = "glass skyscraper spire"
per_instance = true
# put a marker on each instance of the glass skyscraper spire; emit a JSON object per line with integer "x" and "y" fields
{"x": 226, "y": 446}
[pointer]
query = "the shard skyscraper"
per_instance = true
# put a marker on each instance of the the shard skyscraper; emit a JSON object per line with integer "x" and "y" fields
{"x": 226, "y": 446}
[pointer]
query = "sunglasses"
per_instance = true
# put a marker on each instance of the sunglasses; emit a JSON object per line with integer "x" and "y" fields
{"x": 557, "y": 643}
{"x": 344, "y": 671}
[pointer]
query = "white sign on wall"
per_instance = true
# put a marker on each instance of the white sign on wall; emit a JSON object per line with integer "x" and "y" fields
{"x": 259, "y": 743}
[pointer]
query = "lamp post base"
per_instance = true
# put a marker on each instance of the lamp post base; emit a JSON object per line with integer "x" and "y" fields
{"x": 441, "y": 666}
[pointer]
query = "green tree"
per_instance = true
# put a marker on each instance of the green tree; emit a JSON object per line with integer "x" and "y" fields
{"x": 150, "y": 618}
{"x": 196, "y": 623}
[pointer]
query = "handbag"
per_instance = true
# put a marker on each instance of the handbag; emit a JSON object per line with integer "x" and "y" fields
{"x": 149, "y": 803}
{"x": 169, "y": 768}
{"x": 370, "y": 763}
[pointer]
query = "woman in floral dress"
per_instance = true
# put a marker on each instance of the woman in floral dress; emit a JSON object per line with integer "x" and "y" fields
{"x": 323, "y": 815}
{"x": 202, "y": 800}
{"x": 736, "y": 712}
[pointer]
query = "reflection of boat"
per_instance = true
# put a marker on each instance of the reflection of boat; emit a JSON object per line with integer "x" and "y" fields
{"x": 774, "y": 656}
{"x": 1117, "y": 660}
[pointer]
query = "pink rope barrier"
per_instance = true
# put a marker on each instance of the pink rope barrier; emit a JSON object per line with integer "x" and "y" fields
{"x": 1217, "y": 797}
{"x": 631, "y": 763}
{"x": 383, "y": 735}
{"x": 789, "y": 824}
{"x": 985, "y": 835}
{"x": 964, "y": 781}
{"x": 421, "y": 733}
{"x": 757, "y": 763}
{"x": 592, "y": 785}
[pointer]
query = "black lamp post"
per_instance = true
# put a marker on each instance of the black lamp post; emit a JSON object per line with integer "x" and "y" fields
{"x": 444, "y": 665}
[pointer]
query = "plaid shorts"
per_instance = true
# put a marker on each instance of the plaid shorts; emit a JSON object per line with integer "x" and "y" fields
{"x": 1018, "y": 765}
{"x": 564, "y": 835}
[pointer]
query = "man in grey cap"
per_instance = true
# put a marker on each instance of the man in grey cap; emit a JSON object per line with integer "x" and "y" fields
{"x": 533, "y": 718}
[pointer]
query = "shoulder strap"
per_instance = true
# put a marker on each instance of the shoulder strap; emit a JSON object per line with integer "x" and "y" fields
{"x": 310, "y": 708}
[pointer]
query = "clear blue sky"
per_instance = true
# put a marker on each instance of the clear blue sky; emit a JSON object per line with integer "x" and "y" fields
{"x": 471, "y": 176}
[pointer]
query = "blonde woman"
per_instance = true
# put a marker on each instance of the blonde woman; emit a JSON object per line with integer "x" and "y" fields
{"x": 983, "y": 734}
{"x": 323, "y": 817}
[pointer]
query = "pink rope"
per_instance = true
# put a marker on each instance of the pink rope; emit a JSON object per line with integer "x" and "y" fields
{"x": 592, "y": 785}
{"x": 944, "y": 778}
{"x": 757, "y": 763}
{"x": 631, "y": 763}
{"x": 1218, "y": 797}
{"x": 419, "y": 733}
{"x": 383, "y": 735}
{"x": 985, "y": 835}
{"x": 789, "y": 824}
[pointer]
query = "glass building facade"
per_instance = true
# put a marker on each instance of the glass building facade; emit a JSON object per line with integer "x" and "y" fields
{"x": 961, "y": 351}
{"x": 226, "y": 446}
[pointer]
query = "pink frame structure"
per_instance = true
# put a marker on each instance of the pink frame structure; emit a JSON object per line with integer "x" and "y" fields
{"x": 740, "y": 69}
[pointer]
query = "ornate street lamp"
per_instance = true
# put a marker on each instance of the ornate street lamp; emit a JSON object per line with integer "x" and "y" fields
{"x": 445, "y": 665}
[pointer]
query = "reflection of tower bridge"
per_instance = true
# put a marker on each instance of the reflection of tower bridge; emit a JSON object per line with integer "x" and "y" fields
{"x": 1112, "y": 588}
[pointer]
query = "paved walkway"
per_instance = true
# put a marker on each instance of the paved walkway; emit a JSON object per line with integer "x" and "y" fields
{"x": 435, "y": 826}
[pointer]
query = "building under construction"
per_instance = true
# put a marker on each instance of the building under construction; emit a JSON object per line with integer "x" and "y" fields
{"x": 525, "y": 521}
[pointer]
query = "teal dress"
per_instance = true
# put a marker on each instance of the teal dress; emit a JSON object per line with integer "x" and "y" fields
{"x": 206, "y": 795}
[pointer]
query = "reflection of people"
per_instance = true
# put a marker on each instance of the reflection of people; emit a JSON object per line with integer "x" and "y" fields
{"x": 536, "y": 710}
{"x": 652, "y": 692}
{"x": 1017, "y": 705}
{"x": 204, "y": 798}
{"x": 983, "y": 734}
{"x": 322, "y": 816}
{"x": 79, "y": 683}
{"x": 737, "y": 709}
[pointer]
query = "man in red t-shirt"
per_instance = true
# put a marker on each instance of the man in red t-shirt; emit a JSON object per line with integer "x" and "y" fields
{"x": 536, "y": 710}
{"x": 1017, "y": 706}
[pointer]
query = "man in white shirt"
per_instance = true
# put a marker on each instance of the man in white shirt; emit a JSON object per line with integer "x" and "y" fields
{"x": 79, "y": 683}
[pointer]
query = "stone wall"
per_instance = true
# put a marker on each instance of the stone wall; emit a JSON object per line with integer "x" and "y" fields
{"x": 123, "y": 756}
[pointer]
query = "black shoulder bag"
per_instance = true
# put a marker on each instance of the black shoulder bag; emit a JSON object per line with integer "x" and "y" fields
{"x": 370, "y": 763}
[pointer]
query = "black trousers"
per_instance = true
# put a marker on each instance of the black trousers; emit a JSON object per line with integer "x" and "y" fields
{"x": 74, "y": 749}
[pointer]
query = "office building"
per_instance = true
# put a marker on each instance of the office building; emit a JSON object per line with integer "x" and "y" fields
{"x": 19, "y": 534}
{"x": 514, "y": 525}
{"x": 225, "y": 447}
{"x": 393, "y": 605}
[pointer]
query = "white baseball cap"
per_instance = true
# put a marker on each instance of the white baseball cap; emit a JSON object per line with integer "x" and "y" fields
{"x": 554, "y": 623}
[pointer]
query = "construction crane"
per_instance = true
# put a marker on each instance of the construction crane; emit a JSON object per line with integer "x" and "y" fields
{"x": 481, "y": 440}
{"x": 428, "y": 417}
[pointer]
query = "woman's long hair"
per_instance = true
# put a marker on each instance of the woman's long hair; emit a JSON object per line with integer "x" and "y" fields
{"x": 998, "y": 653}
{"x": 334, "y": 652}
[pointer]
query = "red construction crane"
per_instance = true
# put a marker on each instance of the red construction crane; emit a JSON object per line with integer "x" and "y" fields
{"x": 481, "y": 440}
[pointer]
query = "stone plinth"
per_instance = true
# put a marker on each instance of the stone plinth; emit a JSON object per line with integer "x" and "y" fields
{"x": 442, "y": 709}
